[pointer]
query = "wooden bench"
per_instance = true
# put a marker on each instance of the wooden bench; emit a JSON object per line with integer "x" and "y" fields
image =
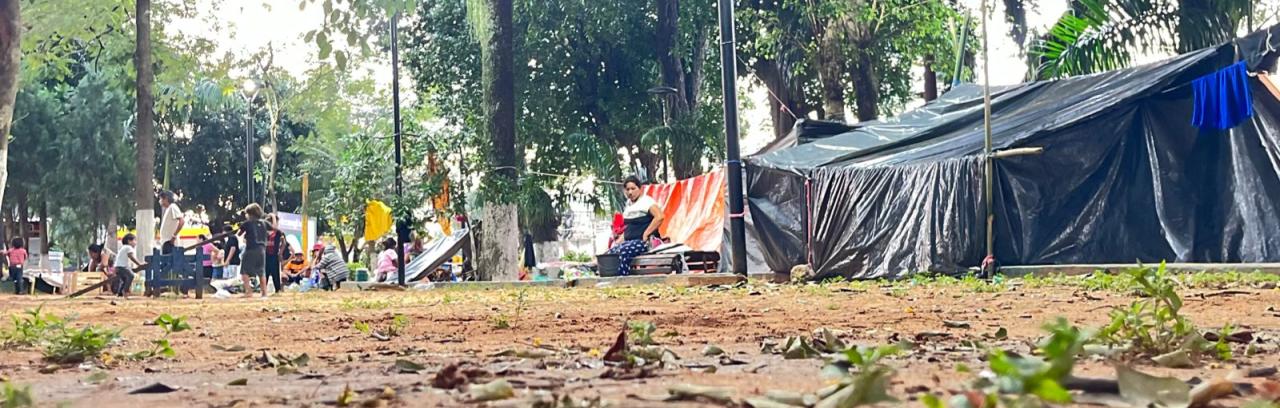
{"x": 175, "y": 270}
{"x": 657, "y": 264}
{"x": 702, "y": 262}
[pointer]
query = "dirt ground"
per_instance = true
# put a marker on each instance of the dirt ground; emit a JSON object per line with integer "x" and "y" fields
{"x": 444, "y": 327}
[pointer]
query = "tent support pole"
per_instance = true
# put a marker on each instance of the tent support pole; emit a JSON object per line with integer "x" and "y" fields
{"x": 986, "y": 119}
{"x": 964, "y": 40}
{"x": 729, "y": 76}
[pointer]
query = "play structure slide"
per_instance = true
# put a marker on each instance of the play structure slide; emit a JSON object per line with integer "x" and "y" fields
{"x": 433, "y": 256}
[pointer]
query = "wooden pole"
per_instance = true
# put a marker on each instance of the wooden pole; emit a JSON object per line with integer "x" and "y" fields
{"x": 986, "y": 119}
{"x": 305, "y": 182}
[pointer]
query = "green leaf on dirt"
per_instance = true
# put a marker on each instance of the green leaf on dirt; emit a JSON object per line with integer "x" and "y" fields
{"x": 641, "y": 332}
{"x": 235, "y": 348}
{"x": 690, "y": 392}
{"x": 239, "y": 382}
{"x": 286, "y": 370}
{"x": 932, "y": 401}
{"x": 956, "y": 324}
{"x": 712, "y": 350}
{"x": 1174, "y": 359}
{"x": 534, "y": 353}
{"x": 798, "y": 347}
{"x": 1001, "y": 334}
{"x": 96, "y": 378}
{"x": 346, "y": 397}
{"x": 408, "y": 367}
{"x": 494, "y": 391}
{"x": 1142, "y": 390}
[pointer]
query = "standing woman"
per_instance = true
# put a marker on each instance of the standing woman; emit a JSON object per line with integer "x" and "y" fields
{"x": 253, "y": 262}
{"x": 641, "y": 218}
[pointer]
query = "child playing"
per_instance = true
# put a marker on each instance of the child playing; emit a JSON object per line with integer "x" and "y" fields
{"x": 253, "y": 262}
{"x": 17, "y": 256}
{"x": 125, "y": 262}
{"x": 296, "y": 269}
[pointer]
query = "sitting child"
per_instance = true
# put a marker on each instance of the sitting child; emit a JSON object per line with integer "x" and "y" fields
{"x": 296, "y": 270}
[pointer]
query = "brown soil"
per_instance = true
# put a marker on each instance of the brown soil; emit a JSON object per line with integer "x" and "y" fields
{"x": 452, "y": 326}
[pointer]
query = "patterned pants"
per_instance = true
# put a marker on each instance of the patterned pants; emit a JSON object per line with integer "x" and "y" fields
{"x": 626, "y": 251}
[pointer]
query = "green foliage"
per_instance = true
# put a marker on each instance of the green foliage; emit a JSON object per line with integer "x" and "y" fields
{"x": 393, "y": 329}
{"x": 641, "y": 332}
{"x": 13, "y": 397}
{"x": 1152, "y": 324}
{"x": 572, "y": 256}
{"x": 507, "y": 320}
{"x": 862, "y": 379}
{"x": 71, "y": 346}
{"x": 29, "y": 329}
{"x": 61, "y": 343}
{"x": 161, "y": 347}
{"x": 1101, "y": 35}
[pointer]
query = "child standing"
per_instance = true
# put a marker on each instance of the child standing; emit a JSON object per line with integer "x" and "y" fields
{"x": 254, "y": 261}
{"x": 125, "y": 262}
{"x": 17, "y": 256}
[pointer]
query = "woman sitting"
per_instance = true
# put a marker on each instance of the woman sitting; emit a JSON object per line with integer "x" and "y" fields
{"x": 641, "y": 218}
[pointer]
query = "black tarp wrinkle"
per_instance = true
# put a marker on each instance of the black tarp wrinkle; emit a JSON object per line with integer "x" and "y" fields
{"x": 1124, "y": 177}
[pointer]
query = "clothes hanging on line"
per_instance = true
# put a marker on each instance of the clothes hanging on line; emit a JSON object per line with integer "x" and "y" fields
{"x": 1222, "y": 99}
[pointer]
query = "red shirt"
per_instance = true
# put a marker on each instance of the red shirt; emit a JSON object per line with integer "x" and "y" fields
{"x": 17, "y": 256}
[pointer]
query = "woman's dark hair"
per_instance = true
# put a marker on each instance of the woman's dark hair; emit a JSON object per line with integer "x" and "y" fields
{"x": 17, "y": 243}
{"x": 95, "y": 248}
{"x": 127, "y": 240}
{"x": 632, "y": 180}
{"x": 203, "y": 237}
{"x": 389, "y": 243}
{"x": 166, "y": 195}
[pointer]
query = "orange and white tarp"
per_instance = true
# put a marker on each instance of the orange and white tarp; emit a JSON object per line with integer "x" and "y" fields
{"x": 694, "y": 210}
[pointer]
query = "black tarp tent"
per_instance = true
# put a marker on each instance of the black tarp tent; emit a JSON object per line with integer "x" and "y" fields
{"x": 1124, "y": 177}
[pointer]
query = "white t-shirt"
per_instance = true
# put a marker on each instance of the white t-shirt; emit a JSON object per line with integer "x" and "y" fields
{"x": 122, "y": 258}
{"x": 169, "y": 222}
{"x": 639, "y": 207}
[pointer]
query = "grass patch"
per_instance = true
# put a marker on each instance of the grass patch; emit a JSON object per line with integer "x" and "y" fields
{"x": 60, "y": 343}
{"x": 12, "y": 396}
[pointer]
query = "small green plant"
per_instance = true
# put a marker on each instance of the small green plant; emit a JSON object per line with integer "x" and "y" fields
{"x": 395, "y": 328}
{"x": 70, "y": 346}
{"x": 507, "y": 321}
{"x": 14, "y": 397}
{"x": 161, "y": 347}
{"x": 572, "y": 256}
{"x": 1018, "y": 381}
{"x": 861, "y": 377}
{"x": 641, "y": 332}
{"x": 30, "y": 329}
{"x": 1153, "y": 324}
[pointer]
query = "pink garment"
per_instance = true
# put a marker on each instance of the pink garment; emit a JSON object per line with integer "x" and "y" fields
{"x": 386, "y": 262}
{"x": 17, "y": 256}
{"x": 208, "y": 251}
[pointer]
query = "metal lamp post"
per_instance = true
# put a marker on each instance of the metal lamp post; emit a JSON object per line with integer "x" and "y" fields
{"x": 250, "y": 91}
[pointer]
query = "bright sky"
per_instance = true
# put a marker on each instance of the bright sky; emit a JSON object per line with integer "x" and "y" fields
{"x": 252, "y": 24}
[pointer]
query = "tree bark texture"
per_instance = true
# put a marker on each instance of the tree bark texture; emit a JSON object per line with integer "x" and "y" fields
{"x": 930, "y": 80}
{"x": 866, "y": 85}
{"x": 830, "y": 67}
{"x": 144, "y": 173}
{"x": 498, "y": 258}
{"x": 10, "y": 66}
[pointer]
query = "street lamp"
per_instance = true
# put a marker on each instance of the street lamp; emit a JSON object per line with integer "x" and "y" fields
{"x": 250, "y": 91}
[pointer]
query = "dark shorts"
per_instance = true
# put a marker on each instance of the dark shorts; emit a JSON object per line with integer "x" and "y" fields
{"x": 254, "y": 262}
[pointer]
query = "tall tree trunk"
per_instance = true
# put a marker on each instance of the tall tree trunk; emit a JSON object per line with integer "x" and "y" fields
{"x": 46, "y": 227}
{"x": 24, "y": 218}
{"x": 930, "y": 80}
{"x": 10, "y": 64}
{"x": 866, "y": 85}
{"x": 499, "y": 256}
{"x": 144, "y": 172}
{"x": 672, "y": 66}
{"x": 113, "y": 223}
{"x": 830, "y": 68}
{"x": 786, "y": 99}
